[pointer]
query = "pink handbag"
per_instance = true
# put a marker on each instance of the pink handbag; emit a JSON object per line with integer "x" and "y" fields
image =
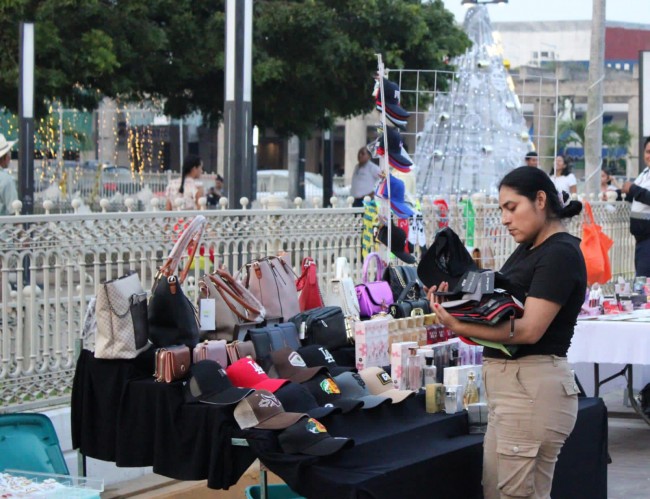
{"x": 374, "y": 297}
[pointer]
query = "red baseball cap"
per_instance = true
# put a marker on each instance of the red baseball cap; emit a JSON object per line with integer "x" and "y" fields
{"x": 247, "y": 373}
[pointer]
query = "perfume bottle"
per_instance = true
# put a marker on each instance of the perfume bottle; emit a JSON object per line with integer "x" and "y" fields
{"x": 471, "y": 390}
{"x": 429, "y": 370}
{"x": 413, "y": 370}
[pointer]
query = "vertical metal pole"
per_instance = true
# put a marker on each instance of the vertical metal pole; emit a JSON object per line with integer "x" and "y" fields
{"x": 238, "y": 121}
{"x": 26, "y": 112}
{"x": 180, "y": 145}
{"x": 327, "y": 166}
{"x": 594, "y": 127}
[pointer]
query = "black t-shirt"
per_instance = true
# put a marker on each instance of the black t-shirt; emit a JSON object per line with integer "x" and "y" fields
{"x": 555, "y": 271}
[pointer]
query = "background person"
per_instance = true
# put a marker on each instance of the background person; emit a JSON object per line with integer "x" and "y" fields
{"x": 8, "y": 192}
{"x": 531, "y": 159}
{"x": 608, "y": 183}
{"x": 364, "y": 179}
{"x": 216, "y": 192}
{"x": 562, "y": 177}
{"x": 187, "y": 188}
{"x": 639, "y": 192}
{"x": 531, "y": 396}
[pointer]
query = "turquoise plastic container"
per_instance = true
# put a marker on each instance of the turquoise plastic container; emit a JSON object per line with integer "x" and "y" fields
{"x": 276, "y": 491}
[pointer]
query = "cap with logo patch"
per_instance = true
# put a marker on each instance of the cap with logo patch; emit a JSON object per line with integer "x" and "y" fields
{"x": 297, "y": 398}
{"x": 309, "y": 436}
{"x": 263, "y": 410}
{"x": 379, "y": 382}
{"x": 327, "y": 393}
{"x": 318, "y": 355}
{"x": 210, "y": 384}
{"x": 352, "y": 386}
{"x": 248, "y": 373}
{"x": 290, "y": 365}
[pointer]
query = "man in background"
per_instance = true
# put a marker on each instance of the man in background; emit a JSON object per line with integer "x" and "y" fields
{"x": 8, "y": 192}
{"x": 531, "y": 159}
{"x": 364, "y": 178}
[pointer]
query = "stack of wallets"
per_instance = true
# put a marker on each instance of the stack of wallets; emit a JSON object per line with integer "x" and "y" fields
{"x": 478, "y": 416}
{"x": 371, "y": 343}
{"x": 399, "y": 353}
{"x": 458, "y": 376}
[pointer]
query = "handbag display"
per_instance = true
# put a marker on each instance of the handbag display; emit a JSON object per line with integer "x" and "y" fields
{"x": 233, "y": 305}
{"x": 240, "y": 349}
{"x": 172, "y": 363}
{"x": 272, "y": 338}
{"x": 172, "y": 316}
{"x": 342, "y": 293}
{"x": 211, "y": 350}
{"x": 121, "y": 315}
{"x": 307, "y": 284}
{"x": 399, "y": 277}
{"x": 273, "y": 282}
{"x": 405, "y": 307}
{"x": 322, "y": 326}
{"x": 374, "y": 297}
{"x": 595, "y": 246}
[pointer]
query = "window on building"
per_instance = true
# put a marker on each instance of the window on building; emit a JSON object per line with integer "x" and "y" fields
{"x": 544, "y": 54}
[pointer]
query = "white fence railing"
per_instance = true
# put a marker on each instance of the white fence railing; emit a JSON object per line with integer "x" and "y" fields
{"x": 51, "y": 265}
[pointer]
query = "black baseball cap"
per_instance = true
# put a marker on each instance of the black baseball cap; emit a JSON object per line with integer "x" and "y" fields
{"x": 309, "y": 436}
{"x": 297, "y": 398}
{"x": 318, "y": 355}
{"x": 447, "y": 259}
{"x": 209, "y": 383}
{"x": 326, "y": 392}
{"x": 397, "y": 242}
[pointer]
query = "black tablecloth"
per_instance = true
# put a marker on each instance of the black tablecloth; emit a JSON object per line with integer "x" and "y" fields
{"x": 120, "y": 414}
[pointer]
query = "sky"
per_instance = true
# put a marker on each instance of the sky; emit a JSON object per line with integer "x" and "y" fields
{"x": 637, "y": 11}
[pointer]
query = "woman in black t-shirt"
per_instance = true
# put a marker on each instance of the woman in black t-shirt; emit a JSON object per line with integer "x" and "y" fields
{"x": 532, "y": 396}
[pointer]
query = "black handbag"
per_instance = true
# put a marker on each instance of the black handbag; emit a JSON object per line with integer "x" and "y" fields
{"x": 271, "y": 338}
{"x": 405, "y": 307}
{"x": 399, "y": 277}
{"x": 322, "y": 326}
{"x": 172, "y": 317}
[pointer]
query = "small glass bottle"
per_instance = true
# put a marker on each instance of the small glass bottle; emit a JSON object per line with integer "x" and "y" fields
{"x": 413, "y": 370}
{"x": 471, "y": 390}
{"x": 429, "y": 370}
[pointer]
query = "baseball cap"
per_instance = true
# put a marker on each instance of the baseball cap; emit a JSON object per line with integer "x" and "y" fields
{"x": 309, "y": 436}
{"x": 326, "y": 392}
{"x": 447, "y": 259}
{"x": 261, "y": 409}
{"x": 397, "y": 242}
{"x": 318, "y": 355}
{"x": 352, "y": 386}
{"x": 398, "y": 203}
{"x": 210, "y": 384}
{"x": 379, "y": 382}
{"x": 248, "y": 373}
{"x": 290, "y": 365}
{"x": 396, "y": 157}
{"x": 394, "y": 111}
{"x": 297, "y": 398}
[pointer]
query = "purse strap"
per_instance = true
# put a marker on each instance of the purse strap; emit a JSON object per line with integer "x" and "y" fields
{"x": 589, "y": 214}
{"x": 403, "y": 296}
{"x": 366, "y": 264}
{"x": 191, "y": 235}
{"x": 342, "y": 268}
{"x": 228, "y": 294}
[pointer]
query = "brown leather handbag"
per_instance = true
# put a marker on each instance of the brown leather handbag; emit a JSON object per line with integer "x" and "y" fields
{"x": 211, "y": 350}
{"x": 234, "y": 304}
{"x": 172, "y": 363}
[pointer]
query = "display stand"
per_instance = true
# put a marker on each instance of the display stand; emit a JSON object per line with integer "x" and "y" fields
{"x": 381, "y": 71}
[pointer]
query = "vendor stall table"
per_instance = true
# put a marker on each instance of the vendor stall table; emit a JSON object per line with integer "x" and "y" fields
{"x": 400, "y": 450}
{"x": 616, "y": 339}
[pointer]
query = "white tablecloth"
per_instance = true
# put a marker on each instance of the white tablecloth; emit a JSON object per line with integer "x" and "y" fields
{"x": 611, "y": 344}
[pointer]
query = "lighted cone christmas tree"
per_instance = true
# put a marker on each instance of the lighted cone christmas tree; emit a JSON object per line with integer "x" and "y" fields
{"x": 475, "y": 133}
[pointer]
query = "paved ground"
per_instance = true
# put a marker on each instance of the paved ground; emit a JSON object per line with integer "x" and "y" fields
{"x": 628, "y": 475}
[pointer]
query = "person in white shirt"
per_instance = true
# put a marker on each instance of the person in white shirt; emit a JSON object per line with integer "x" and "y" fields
{"x": 562, "y": 177}
{"x": 364, "y": 178}
{"x": 8, "y": 192}
{"x": 639, "y": 192}
{"x": 187, "y": 188}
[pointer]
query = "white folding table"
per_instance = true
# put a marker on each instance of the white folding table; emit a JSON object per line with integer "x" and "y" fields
{"x": 623, "y": 339}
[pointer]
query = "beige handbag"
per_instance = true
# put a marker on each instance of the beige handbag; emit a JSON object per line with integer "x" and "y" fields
{"x": 273, "y": 282}
{"x": 211, "y": 350}
{"x": 233, "y": 305}
{"x": 121, "y": 314}
{"x": 342, "y": 293}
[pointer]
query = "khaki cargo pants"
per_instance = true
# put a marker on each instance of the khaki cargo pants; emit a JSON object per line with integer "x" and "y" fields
{"x": 532, "y": 408}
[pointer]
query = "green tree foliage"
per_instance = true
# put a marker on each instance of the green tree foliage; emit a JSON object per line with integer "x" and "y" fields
{"x": 573, "y": 132}
{"x": 312, "y": 58}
